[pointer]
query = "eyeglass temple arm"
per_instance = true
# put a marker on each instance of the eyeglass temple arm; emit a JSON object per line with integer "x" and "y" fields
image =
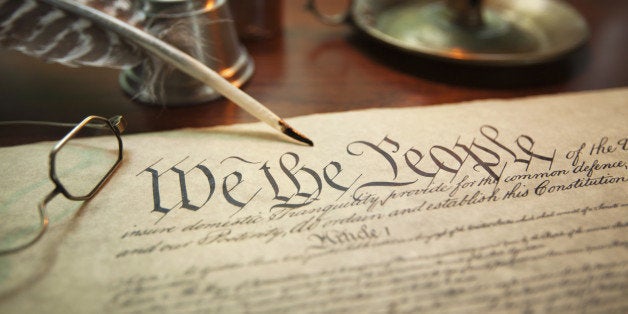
{"x": 118, "y": 122}
{"x": 43, "y": 224}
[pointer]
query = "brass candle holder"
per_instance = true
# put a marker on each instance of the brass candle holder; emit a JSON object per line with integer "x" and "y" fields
{"x": 492, "y": 32}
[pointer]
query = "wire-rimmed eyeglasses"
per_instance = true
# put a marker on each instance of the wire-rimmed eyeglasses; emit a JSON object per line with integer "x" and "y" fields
{"x": 67, "y": 159}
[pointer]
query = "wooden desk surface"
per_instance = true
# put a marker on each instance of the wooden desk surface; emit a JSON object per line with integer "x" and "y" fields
{"x": 314, "y": 68}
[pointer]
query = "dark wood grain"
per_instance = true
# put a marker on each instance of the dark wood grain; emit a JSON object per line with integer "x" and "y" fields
{"x": 314, "y": 68}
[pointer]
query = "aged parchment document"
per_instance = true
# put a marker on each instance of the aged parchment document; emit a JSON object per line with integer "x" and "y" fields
{"x": 491, "y": 206}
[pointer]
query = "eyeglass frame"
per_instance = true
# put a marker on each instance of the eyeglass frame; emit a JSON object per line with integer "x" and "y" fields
{"x": 117, "y": 125}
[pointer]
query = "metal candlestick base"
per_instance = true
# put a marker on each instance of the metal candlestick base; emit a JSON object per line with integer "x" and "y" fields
{"x": 493, "y": 32}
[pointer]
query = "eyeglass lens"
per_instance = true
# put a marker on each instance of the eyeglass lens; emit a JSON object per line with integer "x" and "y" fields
{"x": 86, "y": 158}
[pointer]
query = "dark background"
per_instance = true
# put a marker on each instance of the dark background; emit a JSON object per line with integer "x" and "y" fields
{"x": 314, "y": 68}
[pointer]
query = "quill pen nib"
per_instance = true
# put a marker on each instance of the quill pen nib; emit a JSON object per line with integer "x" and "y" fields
{"x": 288, "y": 130}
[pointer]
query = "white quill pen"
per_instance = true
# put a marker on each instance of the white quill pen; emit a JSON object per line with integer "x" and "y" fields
{"x": 108, "y": 34}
